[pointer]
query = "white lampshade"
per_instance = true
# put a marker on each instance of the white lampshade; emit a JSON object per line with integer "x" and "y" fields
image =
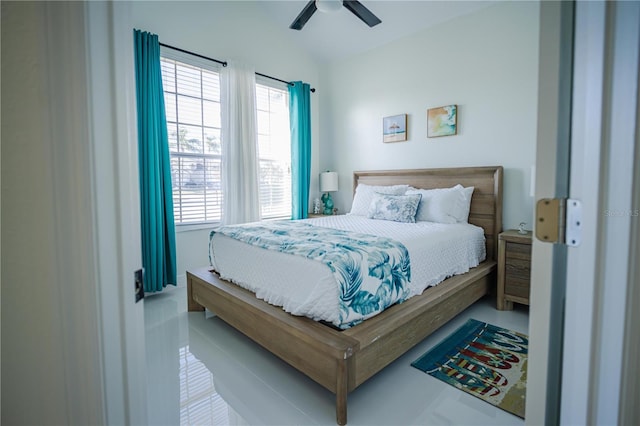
{"x": 328, "y": 5}
{"x": 328, "y": 181}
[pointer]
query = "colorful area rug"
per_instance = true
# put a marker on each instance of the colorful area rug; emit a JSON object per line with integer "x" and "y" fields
{"x": 484, "y": 360}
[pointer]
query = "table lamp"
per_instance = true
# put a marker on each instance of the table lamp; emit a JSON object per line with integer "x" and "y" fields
{"x": 328, "y": 183}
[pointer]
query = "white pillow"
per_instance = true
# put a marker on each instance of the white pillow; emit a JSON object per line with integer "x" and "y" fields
{"x": 365, "y": 194}
{"x": 463, "y": 203}
{"x": 436, "y": 205}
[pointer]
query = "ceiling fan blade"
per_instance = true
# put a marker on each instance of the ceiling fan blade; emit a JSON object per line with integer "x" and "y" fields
{"x": 362, "y": 12}
{"x": 304, "y": 16}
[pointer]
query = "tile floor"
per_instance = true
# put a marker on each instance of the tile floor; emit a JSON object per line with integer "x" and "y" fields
{"x": 202, "y": 372}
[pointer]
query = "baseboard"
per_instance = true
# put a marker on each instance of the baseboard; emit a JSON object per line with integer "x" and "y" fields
{"x": 182, "y": 280}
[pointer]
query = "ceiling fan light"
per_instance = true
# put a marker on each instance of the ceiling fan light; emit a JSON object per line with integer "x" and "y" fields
{"x": 328, "y": 5}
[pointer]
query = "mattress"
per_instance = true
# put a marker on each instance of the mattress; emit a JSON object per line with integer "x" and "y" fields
{"x": 306, "y": 287}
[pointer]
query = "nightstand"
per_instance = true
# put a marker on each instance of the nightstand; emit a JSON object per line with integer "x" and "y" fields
{"x": 514, "y": 269}
{"x": 313, "y": 215}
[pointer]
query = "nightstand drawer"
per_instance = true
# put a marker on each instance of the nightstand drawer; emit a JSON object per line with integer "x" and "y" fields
{"x": 517, "y": 269}
{"x": 518, "y": 251}
{"x": 516, "y": 280}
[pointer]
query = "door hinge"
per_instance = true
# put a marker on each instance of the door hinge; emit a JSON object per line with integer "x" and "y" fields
{"x": 138, "y": 280}
{"x": 559, "y": 220}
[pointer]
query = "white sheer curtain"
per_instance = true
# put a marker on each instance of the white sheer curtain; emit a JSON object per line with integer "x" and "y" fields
{"x": 240, "y": 169}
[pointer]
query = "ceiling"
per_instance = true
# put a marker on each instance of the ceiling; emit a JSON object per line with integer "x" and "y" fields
{"x": 333, "y": 36}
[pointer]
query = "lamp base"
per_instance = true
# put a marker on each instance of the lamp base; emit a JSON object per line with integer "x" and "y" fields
{"x": 328, "y": 204}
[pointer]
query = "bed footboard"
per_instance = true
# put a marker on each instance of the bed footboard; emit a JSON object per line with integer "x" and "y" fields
{"x": 320, "y": 352}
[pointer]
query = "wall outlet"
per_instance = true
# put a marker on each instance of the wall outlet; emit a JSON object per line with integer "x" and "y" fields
{"x": 139, "y": 284}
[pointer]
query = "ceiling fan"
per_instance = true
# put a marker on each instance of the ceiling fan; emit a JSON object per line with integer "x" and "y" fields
{"x": 354, "y": 6}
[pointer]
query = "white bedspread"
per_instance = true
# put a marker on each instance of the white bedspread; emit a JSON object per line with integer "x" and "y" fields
{"x": 307, "y": 287}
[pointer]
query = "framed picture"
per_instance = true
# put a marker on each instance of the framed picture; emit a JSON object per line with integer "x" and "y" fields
{"x": 442, "y": 121}
{"x": 394, "y": 128}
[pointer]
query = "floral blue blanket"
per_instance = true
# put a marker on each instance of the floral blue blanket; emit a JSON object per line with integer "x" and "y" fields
{"x": 372, "y": 272}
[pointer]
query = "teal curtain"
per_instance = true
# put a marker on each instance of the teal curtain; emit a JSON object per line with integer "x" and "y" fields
{"x": 156, "y": 202}
{"x": 300, "y": 119}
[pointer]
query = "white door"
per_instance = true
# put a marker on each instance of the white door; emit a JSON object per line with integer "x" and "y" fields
{"x": 581, "y": 330}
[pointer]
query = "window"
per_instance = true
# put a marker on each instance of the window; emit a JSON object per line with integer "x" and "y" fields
{"x": 192, "y": 102}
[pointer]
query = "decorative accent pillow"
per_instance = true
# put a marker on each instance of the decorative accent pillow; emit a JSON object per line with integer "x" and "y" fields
{"x": 398, "y": 208}
{"x": 365, "y": 193}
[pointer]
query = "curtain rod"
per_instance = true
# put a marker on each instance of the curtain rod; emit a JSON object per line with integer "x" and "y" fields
{"x": 224, "y": 64}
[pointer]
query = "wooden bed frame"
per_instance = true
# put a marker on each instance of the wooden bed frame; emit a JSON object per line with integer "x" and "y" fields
{"x": 342, "y": 360}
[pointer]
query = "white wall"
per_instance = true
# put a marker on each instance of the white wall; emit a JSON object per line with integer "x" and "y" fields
{"x": 485, "y": 62}
{"x": 228, "y": 30}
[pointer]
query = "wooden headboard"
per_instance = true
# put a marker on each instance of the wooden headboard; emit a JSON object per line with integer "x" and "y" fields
{"x": 486, "y": 203}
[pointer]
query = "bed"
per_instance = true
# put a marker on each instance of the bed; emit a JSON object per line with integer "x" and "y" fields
{"x": 341, "y": 360}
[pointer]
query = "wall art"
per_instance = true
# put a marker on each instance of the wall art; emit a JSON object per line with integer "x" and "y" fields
{"x": 394, "y": 128}
{"x": 442, "y": 121}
